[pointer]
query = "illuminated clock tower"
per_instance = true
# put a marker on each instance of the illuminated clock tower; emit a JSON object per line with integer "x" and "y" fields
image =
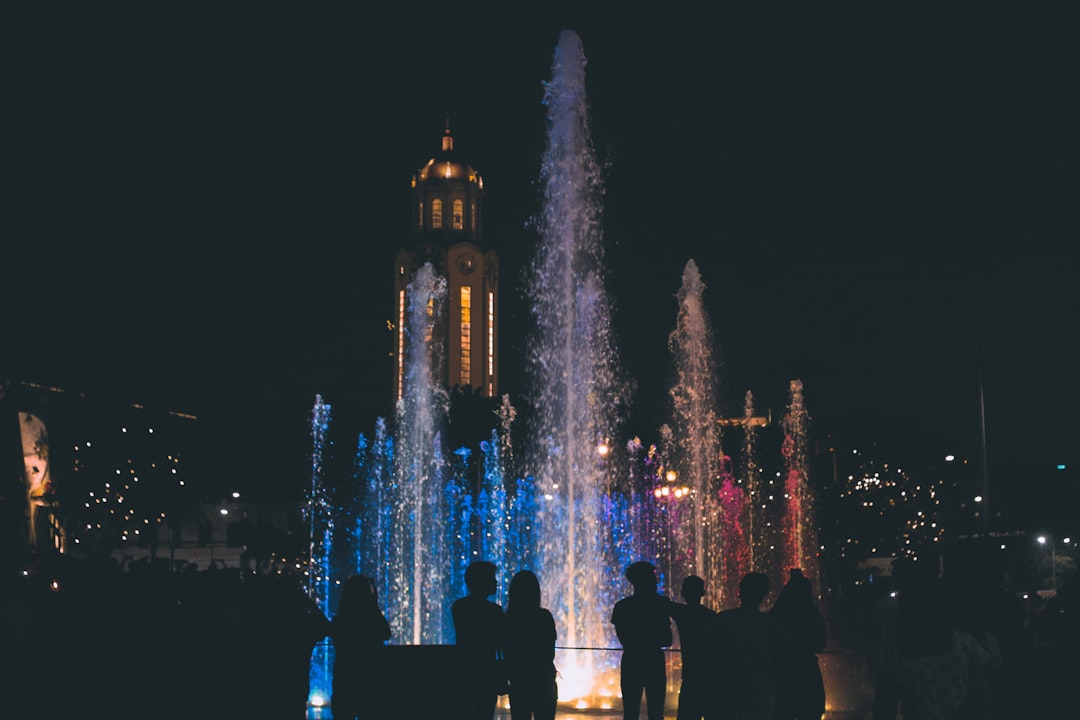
{"x": 447, "y": 231}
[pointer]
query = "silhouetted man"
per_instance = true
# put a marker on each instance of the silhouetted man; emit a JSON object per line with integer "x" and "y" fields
{"x": 478, "y": 634}
{"x": 643, "y": 626}
{"x": 691, "y": 619}
{"x": 746, "y": 649}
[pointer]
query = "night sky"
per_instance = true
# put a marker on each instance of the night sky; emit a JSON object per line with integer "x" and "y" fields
{"x": 204, "y": 203}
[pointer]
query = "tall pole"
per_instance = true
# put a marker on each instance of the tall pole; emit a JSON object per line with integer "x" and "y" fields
{"x": 984, "y": 471}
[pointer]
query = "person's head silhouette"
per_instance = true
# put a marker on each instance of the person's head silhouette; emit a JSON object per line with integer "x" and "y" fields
{"x": 642, "y": 575}
{"x": 480, "y": 578}
{"x": 357, "y": 595}
{"x": 752, "y": 589}
{"x": 693, "y": 589}
{"x": 524, "y": 591}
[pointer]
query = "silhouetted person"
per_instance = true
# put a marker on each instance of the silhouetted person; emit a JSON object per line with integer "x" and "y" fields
{"x": 1006, "y": 620}
{"x": 643, "y": 627}
{"x": 802, "y": 695}
{"x": 1066, "y": 678}
{"x": 530, "y": 651}
{"x": 883, "y": 619}
{"x": 746, "y": 648}
{"x": 478, "y": 632}
{"x": 359, "y": 630}
{"x": 283, "y": 628}
{"x": 691, "y": 619}
{"x": 934, "y": 656}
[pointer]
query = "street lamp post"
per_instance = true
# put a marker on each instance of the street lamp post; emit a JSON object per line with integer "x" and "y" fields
{"x": 1042, "y": 539}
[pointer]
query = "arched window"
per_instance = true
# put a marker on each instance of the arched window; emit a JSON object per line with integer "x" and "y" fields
{"x": 466, "y": 336}
{"x": 436, "y": 214}
{"x": 458, "y": 219}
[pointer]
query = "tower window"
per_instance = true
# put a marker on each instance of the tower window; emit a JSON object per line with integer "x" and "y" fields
{"x": 436, "y": 214}
{"x": 472, "y": 216}
{"x": 490, "y": 340}
{"x": 420, "y": 217}
{"x": 459, "y": 209}
{"x": 466, "y": 336}
{"x": 401, "y": 344}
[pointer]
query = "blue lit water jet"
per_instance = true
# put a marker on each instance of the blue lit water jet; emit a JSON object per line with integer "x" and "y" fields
{"x": 320, "y": 533}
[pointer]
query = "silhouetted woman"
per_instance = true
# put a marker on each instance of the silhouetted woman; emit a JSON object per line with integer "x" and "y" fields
{"x": 530, "y": 651}
{"x": 803, "y": 694}
{"x": 358, "y": 630}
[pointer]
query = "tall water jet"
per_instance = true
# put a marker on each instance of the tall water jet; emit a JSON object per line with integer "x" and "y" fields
{"x": 733, "y": 553}
{"x": 320, "y": 529}
{"x": 799, "y": 530}
{"x": 695, "y": 454}
{"x": 577, "y": 395}
{"x": 419, "y": 568}
{"x": 752, "y": 487}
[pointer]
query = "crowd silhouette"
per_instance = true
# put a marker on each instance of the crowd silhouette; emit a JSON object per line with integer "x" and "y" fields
{"x": 220, "y": 644}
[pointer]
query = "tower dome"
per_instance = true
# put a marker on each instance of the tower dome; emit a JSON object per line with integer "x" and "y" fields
{"x": 444, "y": 166}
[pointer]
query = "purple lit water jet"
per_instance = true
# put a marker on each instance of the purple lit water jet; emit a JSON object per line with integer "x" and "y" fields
{"x": 573, "y": 364}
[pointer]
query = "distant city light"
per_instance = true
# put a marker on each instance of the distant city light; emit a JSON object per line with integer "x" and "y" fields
{"x": 1061, "y": 466}
{"x": 950, "y": 458}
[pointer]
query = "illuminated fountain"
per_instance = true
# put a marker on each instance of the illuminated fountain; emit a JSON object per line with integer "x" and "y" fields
{"x": 577, "y": 391}
{"x": 691, "y": 447}
{"x": 575, "y": 504}
{"x": 801, "y": 548}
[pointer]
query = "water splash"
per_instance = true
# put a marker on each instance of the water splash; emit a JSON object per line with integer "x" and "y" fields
{"x": 695, "y": 454}
{"x": 801, "y": 539}
{"x": 733, "y": 552}
{"x": 577, "y": 392}
{"x": 756, "y": 543}
{"x": 420, "y": 568}
{"x": 320, "y": 533}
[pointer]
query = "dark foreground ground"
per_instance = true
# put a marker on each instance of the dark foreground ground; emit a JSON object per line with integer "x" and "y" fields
{"x": 1044, "y": 691}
